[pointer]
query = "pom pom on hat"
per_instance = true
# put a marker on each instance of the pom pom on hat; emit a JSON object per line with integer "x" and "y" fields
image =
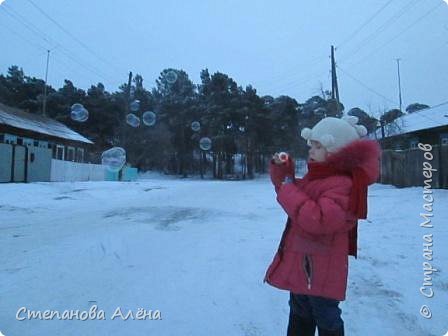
{"x": 306, "y": 133}
{"x": 362, "y": 131}
{"x": 334, "y": 133}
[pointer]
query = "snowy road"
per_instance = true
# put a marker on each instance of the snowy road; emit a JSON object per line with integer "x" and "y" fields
{"x": 197, "y": 251}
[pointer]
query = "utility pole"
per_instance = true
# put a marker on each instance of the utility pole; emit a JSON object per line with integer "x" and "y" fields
{"x": 44, "y": 103}
{"x": 126, "y": 111}
{"x": 334, "y": 80}
{"x": 399, "y": 82}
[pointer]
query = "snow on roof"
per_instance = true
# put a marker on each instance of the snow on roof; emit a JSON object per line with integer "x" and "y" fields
{"x": 39, "y": 124}
{"x": 432, "y": 117}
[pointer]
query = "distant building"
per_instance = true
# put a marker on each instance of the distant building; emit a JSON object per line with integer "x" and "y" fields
{"x": 28, "y": 142}
{"x": 21, "y": 128}
{"x": 402, "y": 160}
{"x": 429, "y": 126}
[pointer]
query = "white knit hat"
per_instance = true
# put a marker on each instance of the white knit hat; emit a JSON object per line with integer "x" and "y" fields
{"x": 335, "y": 133}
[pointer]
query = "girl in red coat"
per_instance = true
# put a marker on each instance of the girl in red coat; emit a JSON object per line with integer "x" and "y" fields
{"x": 321, "y": 230}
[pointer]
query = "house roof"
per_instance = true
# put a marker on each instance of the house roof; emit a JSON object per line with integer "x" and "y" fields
{"x": 428, "y": 118}
{"x": 32, "y": 122}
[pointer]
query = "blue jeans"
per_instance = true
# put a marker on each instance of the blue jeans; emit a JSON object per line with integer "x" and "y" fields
{"x": 325, "y": 312}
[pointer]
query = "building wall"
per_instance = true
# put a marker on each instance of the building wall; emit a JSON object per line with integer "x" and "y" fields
{"x": 24, "y": 163}
{"x": 20, "y": 159}
{"x": 75, "y": 171}
{"x": 434, "y": 136}
{"x": 39, "y": 164}
{"x": 72, "y": 151}
{"x": 5, "y": 162}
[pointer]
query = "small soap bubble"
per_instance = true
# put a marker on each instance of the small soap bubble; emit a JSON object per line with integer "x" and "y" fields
{"x": 135, "y": 105}
{"x": 196, "y": 126}
{"x": 132, "y": 120}
{"x": 205, "y": 143}
{"x": 149, "y": 118}
{"x": 171, "y": 76}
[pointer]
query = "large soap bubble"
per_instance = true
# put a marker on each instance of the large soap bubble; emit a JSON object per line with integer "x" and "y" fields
{"x": 205, "y": 143}
{"x": 79, "y": 113}
{"x": 149, "y": 118}
{"x": 114, "y": 159}
{"x": 196, "y": 126}
{"x": 171, "y": 76}
{"x": 132, "y": 120}
{"x": 134, "y": 105}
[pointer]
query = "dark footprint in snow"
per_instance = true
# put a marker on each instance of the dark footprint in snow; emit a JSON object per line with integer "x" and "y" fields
{"x": 153, "y": 188}
{"x": 375, "y": 262}
{"x": 13, "y": 270}
{"x": 164, "y": 218}
{"x": 62, "y": 198}
{"x": 249, "y": 329}
{"x": 374, "y": 287}
{"x": 371, "y": 291}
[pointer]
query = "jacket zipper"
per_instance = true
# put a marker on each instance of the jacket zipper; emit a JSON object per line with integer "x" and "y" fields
{"x": 308, "y": 269}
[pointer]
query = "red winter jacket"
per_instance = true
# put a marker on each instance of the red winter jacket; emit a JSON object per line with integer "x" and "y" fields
{"x": 312, "y": 257}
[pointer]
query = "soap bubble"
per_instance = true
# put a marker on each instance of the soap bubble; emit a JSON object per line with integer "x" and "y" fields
{"x": 79, "y": 113}
{"x": 149, "y": 118}
{"x": 205, "y": 143}
{"x": 135, "y": 105}
{"x": 195, "y": 126}
{"x": 171, "y": 76}
{"x": 133, "y": 120}
{"x": 114, "y": 159}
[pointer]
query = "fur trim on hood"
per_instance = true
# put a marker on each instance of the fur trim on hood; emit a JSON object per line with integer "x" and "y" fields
{"x": 363, "y": 153}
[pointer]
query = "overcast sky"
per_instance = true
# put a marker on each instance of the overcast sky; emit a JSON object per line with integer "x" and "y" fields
{"x": 279, "y": 47}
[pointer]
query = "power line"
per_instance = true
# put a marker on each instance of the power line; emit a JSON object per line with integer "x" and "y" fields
{"x": 400, "y": 33}
{"x": 19, "y": 18}
{"x": 383, "y": 27}
{"x": 364, "y": 24}
{"x": 299, "y": 82}
{"x": 33, "y": 43}
{"x": 364, "y": 85}
{"x": 70, "y": 34}
{"x": 279, "y": 76}
{"x": 16, "y": 16}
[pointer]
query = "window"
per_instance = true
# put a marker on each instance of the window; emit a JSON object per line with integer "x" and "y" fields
{"x": 2, "y": 138}
{"x": 70, "y": 154}
{"x": 413, "y": 143}
{"x": 36, "y": 143}
{"x": 11, "y": 139}
{"x": 79, "y": 155}
{"x": 60, "y": 152}
{"x": 444, "y": 139}
{"x": 19, "y": 141}
{"x": 28, "y": 142}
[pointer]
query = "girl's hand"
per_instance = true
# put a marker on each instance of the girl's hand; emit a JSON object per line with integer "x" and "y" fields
{"x": 281, "y": 166}
{"x": 280, "y": 158}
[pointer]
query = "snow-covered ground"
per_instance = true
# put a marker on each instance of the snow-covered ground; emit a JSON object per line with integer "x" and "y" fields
{"x": 197, "y": 251}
